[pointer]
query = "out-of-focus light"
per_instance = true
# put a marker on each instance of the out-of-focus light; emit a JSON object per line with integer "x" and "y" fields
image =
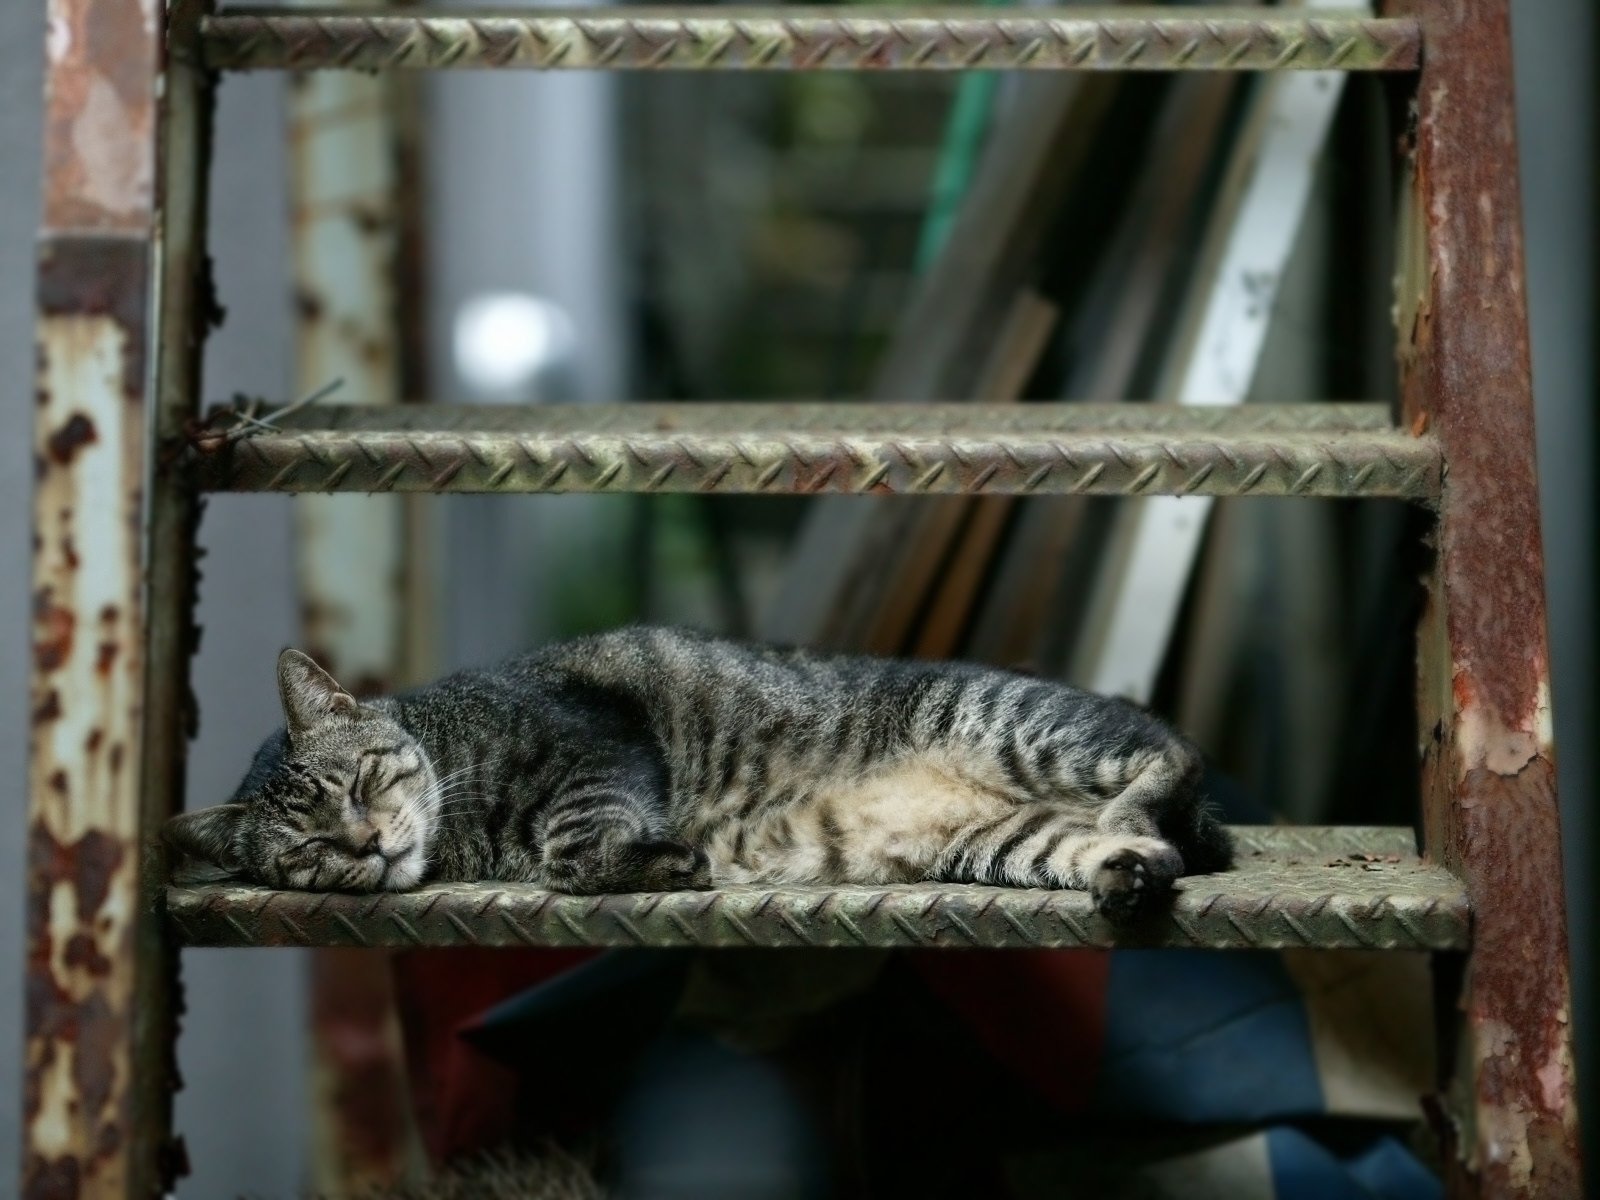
{"x": 513, "y": 347}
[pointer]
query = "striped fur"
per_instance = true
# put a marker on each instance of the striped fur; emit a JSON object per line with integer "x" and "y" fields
{"x": 654, "y": 759}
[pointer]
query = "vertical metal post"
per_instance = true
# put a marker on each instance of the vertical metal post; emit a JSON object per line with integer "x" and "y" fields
{"x": 357, "y": 256}
{"x": 1489, "y": 802}
{"x": 120, "y": 323}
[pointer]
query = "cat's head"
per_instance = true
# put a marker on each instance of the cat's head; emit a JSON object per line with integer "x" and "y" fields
{"x": 341, "y": 799}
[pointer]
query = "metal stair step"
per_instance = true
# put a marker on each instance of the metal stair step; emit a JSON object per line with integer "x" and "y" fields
{"x": 754, "y": 448}
{"x": 838, "y": 38}
{"x": 1330, "y": 887}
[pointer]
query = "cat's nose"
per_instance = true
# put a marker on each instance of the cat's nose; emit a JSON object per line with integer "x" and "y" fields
{"x": 365, "y": 839}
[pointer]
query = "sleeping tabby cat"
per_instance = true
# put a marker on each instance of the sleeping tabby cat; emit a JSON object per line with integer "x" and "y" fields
{"x": 652, "y": 759}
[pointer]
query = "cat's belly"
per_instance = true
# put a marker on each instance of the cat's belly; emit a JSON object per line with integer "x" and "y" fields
{"x": 886, "y": 826}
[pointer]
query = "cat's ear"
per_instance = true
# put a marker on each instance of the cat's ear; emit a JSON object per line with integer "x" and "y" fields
{"x": 309, "y": 694}
{"x": 206, "y": 836}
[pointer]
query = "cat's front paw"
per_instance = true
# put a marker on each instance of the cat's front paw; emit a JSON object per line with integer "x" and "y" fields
{"x": 1127, "y": 879}
{"x": 677, "y": 868}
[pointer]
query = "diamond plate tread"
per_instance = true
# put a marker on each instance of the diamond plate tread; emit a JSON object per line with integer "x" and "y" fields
{"x": 1129, "y": 449}
{"x": 786, "y": 39}
{"x": 1346, "y": 888}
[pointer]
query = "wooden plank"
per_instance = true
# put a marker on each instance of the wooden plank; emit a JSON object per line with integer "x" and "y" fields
{"x": 1135, "y": 602}
{"x": 847, "y": 560}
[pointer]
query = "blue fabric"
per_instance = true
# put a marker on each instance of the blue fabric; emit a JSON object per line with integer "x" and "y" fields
{"x": 1391, "y": 1172}
{"x": 702, "y": 1121}
{"x": 1303, "y": 1169}
{"x": 1193, "y": 1036}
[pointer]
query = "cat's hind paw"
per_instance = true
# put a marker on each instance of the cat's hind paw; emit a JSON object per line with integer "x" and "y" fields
{"x": 1128, "y": 879}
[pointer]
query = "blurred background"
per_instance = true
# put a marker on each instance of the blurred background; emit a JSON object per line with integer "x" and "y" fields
{"x": 590, "y": 238}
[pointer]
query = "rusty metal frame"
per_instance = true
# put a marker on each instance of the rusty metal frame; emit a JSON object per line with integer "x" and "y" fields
{"x": 1509, "y": 1112}
{"x": 860, "y": 449}
{"x": 123, "y": 305}
{"x": 893, "y": 39}
{"x": 1346, "y": 888}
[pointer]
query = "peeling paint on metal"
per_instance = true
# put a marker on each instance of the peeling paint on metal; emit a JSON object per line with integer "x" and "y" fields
{"x": 97, "y": 1069}
{"x": 82, "y": 876}
{"x": 100, "y": 116}
{"x": 1489, "y": 779}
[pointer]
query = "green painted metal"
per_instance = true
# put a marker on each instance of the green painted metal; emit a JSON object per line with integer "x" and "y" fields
{"x": 1346, "y": 888}
{"x": 785, "y": 39}
{"x": 1308, "y": 450}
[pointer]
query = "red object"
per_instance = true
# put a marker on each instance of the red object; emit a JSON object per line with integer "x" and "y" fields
{"x": 463, "y": 1100}
{"x": 1041, "y": 1013}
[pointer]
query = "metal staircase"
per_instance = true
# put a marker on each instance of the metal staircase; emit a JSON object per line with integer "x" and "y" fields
{"x": 124, "y": 455}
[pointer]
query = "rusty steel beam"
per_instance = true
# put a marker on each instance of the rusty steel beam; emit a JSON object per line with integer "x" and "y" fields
{"x": 1345, "y": 888}
{"x": 118, "y": 260}
{"x": 1488, "y": 779}
{"x": 866, "y": 39}
{"x": 854, "y": 449}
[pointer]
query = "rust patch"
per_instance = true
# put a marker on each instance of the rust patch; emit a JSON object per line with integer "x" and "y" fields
{"x": 84, "y": 1018}
{"x": 94, "y": 1065}
{"x": 1473, "y": 377}
{"x": 371, "y": 221}
{"x": 51, "y": 1178}
{"x": 54, "y": 627}
{"x": 64, "y": 444}
{"x": 99, "y": 277}
{"x": 173, "y": 1158}
{"x": 99, "y": 151}
{"x": 97, "y": 855}
{"x": 82, "y": 953}
{"x": 48, "y": 709}
{"x": 1518, "y": 989}
{"x": 1489, "y": 784}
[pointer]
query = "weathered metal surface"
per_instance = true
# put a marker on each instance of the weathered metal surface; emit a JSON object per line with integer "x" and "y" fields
{"x": 952, "y": 419}
{"x": 1351, "y": 888}
{"x": 893, "y": 39}
{"x": 98, "y": 1071}
{"x": 85, "y": 894}
{"x": 354, "y": 260}
{"x": 1489, "y": 800}
{"x": 186, "y": 308}
{"x": 921, "y": 450}
{"x": 100, "y": 115}
{"x": 346, "y": 243}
